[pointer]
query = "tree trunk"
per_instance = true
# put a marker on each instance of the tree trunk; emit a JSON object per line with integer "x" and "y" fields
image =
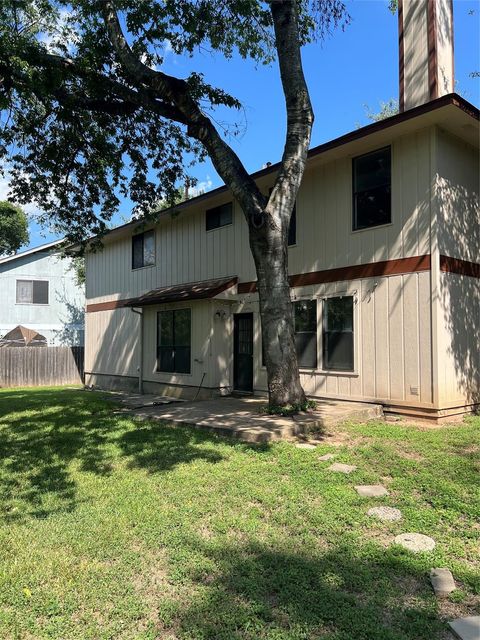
{"x": 270, "y": 252}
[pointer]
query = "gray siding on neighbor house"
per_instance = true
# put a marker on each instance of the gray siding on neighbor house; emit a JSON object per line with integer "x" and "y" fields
{"x": 61, "y": 321}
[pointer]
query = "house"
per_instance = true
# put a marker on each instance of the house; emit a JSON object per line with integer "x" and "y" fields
{"x": 40, "y": 295}
{"x": 384, "y": 262}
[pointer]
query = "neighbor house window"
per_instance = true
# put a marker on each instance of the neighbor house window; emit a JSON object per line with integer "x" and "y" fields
{"x": 174, "y": 341}
{"x": 32, "y": 292}
{"x": 372, "y": 189}
{"x": 305, "y": 319}
{"x": 219, "y": 216}
{"x": 143, "y": 249}
{"x": 338, "y": 333}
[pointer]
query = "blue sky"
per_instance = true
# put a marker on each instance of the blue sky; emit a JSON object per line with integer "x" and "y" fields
{"x": 349, "y": 70}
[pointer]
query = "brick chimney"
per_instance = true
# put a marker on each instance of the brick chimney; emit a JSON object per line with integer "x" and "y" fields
{"x": 425, "y": 31}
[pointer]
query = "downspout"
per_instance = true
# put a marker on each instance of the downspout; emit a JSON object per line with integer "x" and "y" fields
{"x": 140, "y": 364}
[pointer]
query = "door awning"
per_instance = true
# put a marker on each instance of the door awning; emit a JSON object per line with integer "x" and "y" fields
{"x": 189, "y": 291}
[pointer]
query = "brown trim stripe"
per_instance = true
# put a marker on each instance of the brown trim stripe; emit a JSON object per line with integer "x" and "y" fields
{"x": 462, "y": 267}
{"x": 355, "y": 272}
{"x": 108, "y": 306}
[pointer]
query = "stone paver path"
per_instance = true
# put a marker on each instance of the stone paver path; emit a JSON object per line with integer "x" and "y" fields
{"x": 466, "y": 628}
{"x": 305, "y": 445}
{"x": 442, "y": 582}
{"x": 339, "y": 467}
{"x": 326, "y": 457}
{"x": 416, "y": 542}
{"x": 385, "y": 513}
{"x": 371, "y": 490}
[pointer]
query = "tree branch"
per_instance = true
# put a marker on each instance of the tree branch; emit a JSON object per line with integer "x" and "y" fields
{"x": 297, "y": 100}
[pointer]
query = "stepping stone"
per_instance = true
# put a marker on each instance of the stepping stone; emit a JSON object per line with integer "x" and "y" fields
{"x": 327, "y": 456}
{"x": 466, "y": 628}
{"x": 339, "y": 467}
{"x": 371, "y": 490}
{"x": 305, "y": 445}
{"x": 442, "y": 582}
{"x": 385, "y": 513}
{"x": 415, "y": 542}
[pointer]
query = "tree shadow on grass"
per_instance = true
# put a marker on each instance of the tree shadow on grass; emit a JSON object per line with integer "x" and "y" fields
{"x": 45, "y": 436}
{"x": 345, "y": 594}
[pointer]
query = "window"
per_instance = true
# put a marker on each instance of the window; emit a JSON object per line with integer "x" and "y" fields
{"x": 338, "y": 334}
{"x": 174, "y": 341}
{"x": 32, "y": 291}
{"x": 372, "y": 189}
{"x": 305, "y": 319}
{"x": 218, "y": 216}
{"x": 143, "y": 249}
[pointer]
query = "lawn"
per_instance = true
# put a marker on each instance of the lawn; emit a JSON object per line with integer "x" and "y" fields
{"x": 112, "y": 528}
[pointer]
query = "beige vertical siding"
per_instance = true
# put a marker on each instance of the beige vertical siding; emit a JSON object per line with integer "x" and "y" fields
{"x": 186, "y": 252}
{"x": 111, "y": 345}
{"x": 392, "y": 342}
{"x": 458, "y": 297}
{"x": 459, "y": 337}
{"x": 457, "y": 192}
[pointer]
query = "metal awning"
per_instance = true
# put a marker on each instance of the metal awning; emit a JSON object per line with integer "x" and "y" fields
{"x": 189, "y": 291}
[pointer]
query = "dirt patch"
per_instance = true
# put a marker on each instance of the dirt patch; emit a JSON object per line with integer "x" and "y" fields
{"x": 449, "y": 610}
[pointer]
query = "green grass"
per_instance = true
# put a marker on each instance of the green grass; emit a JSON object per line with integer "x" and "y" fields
{"x": 111, "y": 528}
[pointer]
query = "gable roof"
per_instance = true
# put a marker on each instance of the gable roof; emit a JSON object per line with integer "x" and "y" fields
{"x": 39, "y": 249}
{"x": 23, "y": 337}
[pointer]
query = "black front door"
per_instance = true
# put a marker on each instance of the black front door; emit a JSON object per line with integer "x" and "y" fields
{"x": 243, "y": 352}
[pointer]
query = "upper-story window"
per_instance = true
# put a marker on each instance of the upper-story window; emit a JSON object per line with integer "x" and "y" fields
{"x": 372, "y": 180}
{"x": 32, "y": 291}
{"x": 143, "y": 249}
{"x": 219, "y": 216}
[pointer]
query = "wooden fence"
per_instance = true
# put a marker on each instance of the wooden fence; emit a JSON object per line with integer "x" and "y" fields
{"x": 40, "y": 366}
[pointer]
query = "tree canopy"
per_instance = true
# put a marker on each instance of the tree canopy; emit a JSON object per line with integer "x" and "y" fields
{"x": 13, "y": 228}
{"x": 85, "y": 122}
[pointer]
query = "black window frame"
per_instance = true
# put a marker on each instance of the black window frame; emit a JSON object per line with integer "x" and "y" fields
{"x": 385, "y": 186}
{"x": 174, "y": 347}
{"x": 326, "y": 333}
{"x": 140, "y": 237}
{"x": 213, "y": 216}
{"x": 38, "y": 291}
{"x": 303, "y": 338}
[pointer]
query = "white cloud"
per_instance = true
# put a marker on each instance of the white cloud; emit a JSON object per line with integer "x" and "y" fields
{"x": 201, "y": 187}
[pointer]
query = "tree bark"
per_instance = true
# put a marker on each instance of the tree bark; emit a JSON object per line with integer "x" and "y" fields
{"x": 267, "y": 218}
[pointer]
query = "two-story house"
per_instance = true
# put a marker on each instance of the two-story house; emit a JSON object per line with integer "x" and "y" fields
{"x": 384, "y": 259}
{"x": 40, "y": 293}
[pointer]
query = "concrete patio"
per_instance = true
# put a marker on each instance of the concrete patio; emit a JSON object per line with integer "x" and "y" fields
{"x": 242, "y": 418}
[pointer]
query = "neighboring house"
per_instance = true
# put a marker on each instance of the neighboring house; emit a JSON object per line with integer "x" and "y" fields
{"x": 40, "y": 293}
{"x": 384, "y": 262}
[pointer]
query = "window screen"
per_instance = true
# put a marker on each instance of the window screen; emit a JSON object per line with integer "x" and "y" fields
{"x": 32, "y": 292}
{"x": 338, "y": 334}
{"x": 372, "y": 189}
{"x": 174, "y": 341}
{"x": 305, "y": 317}
{"x": 218, "y": 216}
{"x": 143, "y": 249}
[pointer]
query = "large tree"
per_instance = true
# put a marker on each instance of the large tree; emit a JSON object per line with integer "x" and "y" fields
{"x": 13, "y": 228}
{"x": 90, "y": 114}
